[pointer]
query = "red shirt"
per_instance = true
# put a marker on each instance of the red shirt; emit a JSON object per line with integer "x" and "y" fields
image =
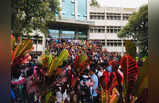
{"x": 106, "y": 79}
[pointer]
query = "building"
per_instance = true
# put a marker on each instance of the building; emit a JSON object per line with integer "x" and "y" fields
{"x": 73, "y": 23}
{"x": 80, "y": 21}
{"x": 39, "y": 41}
{"x": 108, "y": 22}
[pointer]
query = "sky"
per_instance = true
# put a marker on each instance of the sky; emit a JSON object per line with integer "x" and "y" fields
{"x": 122, "y": 3}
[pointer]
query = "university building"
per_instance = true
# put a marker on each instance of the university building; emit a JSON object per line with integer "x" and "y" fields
{"x": 73, "y": 23}
{"x": 107, "y": 23}
{"x": 81, "y": 21}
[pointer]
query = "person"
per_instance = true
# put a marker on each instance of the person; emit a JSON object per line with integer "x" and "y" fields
{"x": 13, "y": 97}
{"x": 100, "y": 72}
{"x": 84, "y": 87}
{"x": 120, "y": 80}
{"x": 94, "y": 86}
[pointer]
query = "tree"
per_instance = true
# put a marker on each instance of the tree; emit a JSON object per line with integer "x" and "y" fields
{"x": 94, "y": 3}
{"x": 130, "y": 48}
{"x": 137, "y": 28}
{"x": 29, "y": 15}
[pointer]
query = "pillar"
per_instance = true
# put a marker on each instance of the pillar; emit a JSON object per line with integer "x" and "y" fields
{"x": 122, "y": 54}
{"x": 44, "y": 44}
{"x": 88, "y": 34}
{"x": 76, "y": 34}
{"x": 105, "y": 40}
{"x": 60, "y": 33}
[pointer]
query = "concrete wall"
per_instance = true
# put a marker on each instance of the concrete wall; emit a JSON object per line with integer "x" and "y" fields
{"x": 38, "y": 46}
{"x": 109, "y": 36}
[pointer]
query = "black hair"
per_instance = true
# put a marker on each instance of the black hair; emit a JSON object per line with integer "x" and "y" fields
{"x": 93, "y": 70}
{"x": 86, "y": 72}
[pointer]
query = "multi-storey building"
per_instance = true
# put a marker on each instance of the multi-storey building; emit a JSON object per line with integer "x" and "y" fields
{"x": 73, "y": 23}
{"x": 108, "y": 22}
{"x": 80, "y": 21}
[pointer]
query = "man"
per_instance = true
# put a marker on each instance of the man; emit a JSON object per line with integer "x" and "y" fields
{"x": 94, "y": 86}
{"x": 84, "y": 87}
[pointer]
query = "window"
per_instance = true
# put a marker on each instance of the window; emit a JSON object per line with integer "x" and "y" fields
{"x": 119, "y": 43}
{"x": 39, "y": 41}
{"x": 113, "y": 29}
{"x": 126, "y": 16}
{"x": 34, "y": 41}
{"x": 91, "y": 30}
{"x": 97, "y": 29}
{"x": 115, "y": 43}
{"x": 113, "y": 16}
{"x": 97, "y": 16}
{"x": 103, "y": 42}
{"x": 73, "y": 13}
{"x": 85, "y": 15}
{"x": 73, "y": 1}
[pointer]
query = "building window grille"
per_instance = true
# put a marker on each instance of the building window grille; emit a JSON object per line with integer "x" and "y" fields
{"x": 97, "y": 16}
{"x": 114, "y": 43}
{"x": 113, "y": 16}
{"x": 91, "y": 30}
{"x": 126, "y": 16}
{"x": 97, "y": 29}
{"x": 113, "y": 29}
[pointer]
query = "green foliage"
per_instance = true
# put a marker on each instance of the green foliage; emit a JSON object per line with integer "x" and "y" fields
{"x": 51, "y": 63}
{"x": 130, "y": 48}
{"x": 49, "y": 98}
{"x": 124, "y": 89}
{"x": 94, "y": 3}
{"x": 48, "y": 95}
{"x": 142, "y": 81}
{"x": 137, "y": 27}
{"x": 57, "y": 61}
{"x": 82, "y": 58}
{"x": 81, "y": 62}
{"x": 29, "y": 15}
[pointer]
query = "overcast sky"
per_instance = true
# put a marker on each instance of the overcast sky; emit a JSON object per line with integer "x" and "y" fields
{"x": 123, "y": 3}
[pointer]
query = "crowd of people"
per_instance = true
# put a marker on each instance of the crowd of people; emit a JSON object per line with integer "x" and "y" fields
{"x": 102, "y": 70}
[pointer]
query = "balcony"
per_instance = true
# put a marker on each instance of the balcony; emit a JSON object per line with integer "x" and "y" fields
{"x": 70, "y": 24}
{"x": 85, "y": 22}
